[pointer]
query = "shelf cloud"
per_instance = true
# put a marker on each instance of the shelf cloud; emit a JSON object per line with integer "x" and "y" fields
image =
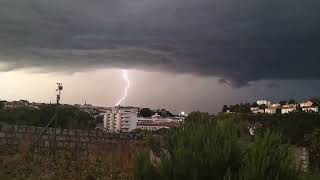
{"x": 237, "y": 41}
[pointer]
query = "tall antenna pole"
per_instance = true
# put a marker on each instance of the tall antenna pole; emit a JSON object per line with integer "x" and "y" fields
{"x": 55, "y": 117}
{"x": 59, "y": 89}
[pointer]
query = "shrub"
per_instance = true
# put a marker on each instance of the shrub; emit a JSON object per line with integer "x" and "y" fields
{"x": 216, "y": 149}
{"x": 268, "y": 158}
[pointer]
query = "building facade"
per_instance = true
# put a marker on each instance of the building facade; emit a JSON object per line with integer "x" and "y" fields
{"x": 271, "y": 110}
{"x": 121, "y": 119}
{"x": 288, "y": 108}
{"x": 256, "y": 110}
{"x": 306, "y": 104}
{"x": 310, "y": 109}
{"x": 157, "y": 118}
{"x": 154, "y": 126}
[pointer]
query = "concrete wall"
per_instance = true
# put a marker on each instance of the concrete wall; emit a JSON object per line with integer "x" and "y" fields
{"x": 61, "y": 139}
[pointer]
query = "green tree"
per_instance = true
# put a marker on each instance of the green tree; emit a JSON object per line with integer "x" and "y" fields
{"x": 1, "y": 105}
{"x": 262, "y": 106}
{"x": 164, "y": 113}
{"x": 255, "y": 104}
{"x": 292, "y": 101}
{"x": 198, "y": 117}
{"x": 146, "y": 112}
{"x": 225, "y": 108}
{"x": 282, "y": 103}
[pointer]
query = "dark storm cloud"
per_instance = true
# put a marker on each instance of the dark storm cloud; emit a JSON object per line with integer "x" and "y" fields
{"x": 237, "y": 41}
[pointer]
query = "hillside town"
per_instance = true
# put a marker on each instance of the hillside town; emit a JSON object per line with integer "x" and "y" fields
{"x": 268, "y": 107}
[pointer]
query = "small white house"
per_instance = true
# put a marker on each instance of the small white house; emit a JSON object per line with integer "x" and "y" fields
{"x": 271, "y": 110}
{"x": 263, "y": 102}
{"x": 288, "y": 108}
{"x": 311, "y": 109}
{"x": 306, "y": 104}
{"x": 256, "y": 110}
{"x": 153, "y": 126}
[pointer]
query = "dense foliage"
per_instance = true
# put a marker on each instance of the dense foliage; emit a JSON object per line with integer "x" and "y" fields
{"x": 292, "y": 126}
{"x": 238, "y": 108}
{"x": 313, "y": 142}
{"x": 146, "y": 112}
{"x": 215, "y": 148}
{"x": 68, "y": 117}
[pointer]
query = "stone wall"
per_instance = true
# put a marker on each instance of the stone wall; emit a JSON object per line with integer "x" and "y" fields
{"x": 61, "y": 139}
{"x": 82, "y": 140}
{"x": 302, "y": 158}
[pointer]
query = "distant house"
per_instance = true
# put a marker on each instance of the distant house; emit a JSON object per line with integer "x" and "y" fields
{"x": 256, "y": 110}
{"x": 309, "y": 107}
{"x": 153, "y": 126}
{"x": 306, "y": 104}
{"x": 272, "y": 109}
{"x": 288, "y": 108}
{"x": 263, "y": 102}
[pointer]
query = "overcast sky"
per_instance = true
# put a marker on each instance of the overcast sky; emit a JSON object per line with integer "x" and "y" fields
{"x": 181, "y": 54}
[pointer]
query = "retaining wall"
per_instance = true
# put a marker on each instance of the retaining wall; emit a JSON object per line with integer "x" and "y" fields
{"x": 62, "y": 139}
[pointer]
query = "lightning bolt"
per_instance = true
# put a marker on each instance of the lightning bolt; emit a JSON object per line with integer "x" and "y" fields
{"x": 126, "y": 78}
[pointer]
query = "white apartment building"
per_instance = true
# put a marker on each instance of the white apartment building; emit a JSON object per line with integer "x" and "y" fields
{"x": 263, "y": 102}
{"x": 121, "y": 119}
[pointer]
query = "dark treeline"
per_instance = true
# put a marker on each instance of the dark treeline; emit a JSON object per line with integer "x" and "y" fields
{"x": 146, "y": 112}
{"x": 293, "y": 126}
{"x": 68, "y": 117}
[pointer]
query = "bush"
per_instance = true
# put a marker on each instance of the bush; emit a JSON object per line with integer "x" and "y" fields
{"x": 268, "y": 158}
{"x": 143, "y": 168}
{"x": 216, "y": 149}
